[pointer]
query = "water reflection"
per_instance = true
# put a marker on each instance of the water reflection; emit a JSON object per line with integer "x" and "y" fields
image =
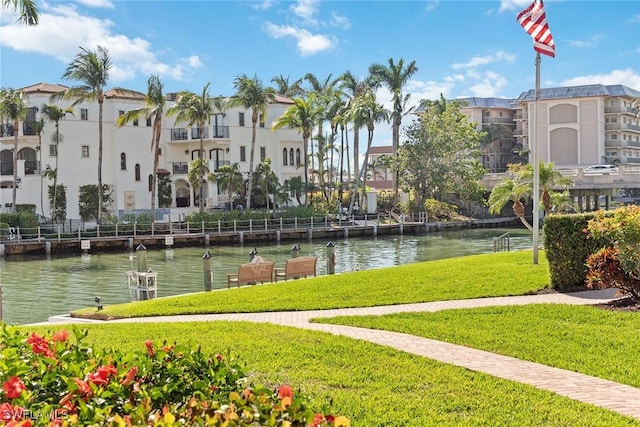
{"x": 35, "y": 288}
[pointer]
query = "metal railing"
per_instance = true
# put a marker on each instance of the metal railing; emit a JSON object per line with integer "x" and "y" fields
{"x": 501, "y": 243}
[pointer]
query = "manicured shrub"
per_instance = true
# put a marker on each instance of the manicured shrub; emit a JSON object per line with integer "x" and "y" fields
{"x": 567, "y": 248}
{"x": 58, "y": 380}
{"x": 440, "y": 211}
{"x": 618, "y": 264}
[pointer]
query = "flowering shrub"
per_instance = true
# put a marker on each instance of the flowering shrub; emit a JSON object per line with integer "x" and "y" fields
{"x": 60, "y": 381}
{"x": 618, "y": 264}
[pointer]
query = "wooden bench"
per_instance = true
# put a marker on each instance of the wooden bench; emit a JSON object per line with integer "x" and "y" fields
{"x": 298, "y": 267}
{"x": 252, "y": 273}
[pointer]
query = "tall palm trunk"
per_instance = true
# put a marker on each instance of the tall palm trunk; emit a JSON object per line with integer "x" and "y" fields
{"x": 55, "y": 175}
{"x": 356, "y": 151}
{"x": 200, "y": 168}
{"x": 14, "y": 192}
{"x": 254, "y": 119}
{"x": 100, "y": 102}
{"x": 395, "y": 136}
{"x": 305, "y": 139}
{"x": 157, "y": 127}
{"x": 362, "y": 170}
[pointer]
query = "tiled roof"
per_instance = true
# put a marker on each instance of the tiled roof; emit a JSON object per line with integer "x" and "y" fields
{"x": 579, "y": 92}
{"x": 44, "y": 87}
{"x": 387, "y": 149}
{"x": 124, "y": 93}
{"x": 476, "y": 102}
{"x": 283, "y": 99}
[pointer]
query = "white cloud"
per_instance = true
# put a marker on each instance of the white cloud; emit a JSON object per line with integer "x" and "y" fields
{"x": 517, "y": 5}
{"x": 62, "y": 30}
{"x": 307, "y": 43}
{"x": 431, "y": 5}
{"x": 590, "y": 42}
{"x": 306, "y": 9}
{"x": 490, "y": 85}
{"x": 340, "y": 21}
{"x": 484, "y": 60}
{"x": 628, "y": 77}
{"x": 97, "y": 3}
{"x": 262, "y": 5}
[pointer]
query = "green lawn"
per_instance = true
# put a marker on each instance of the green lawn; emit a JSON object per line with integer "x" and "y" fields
{"x": 488, "y": 275}
{"x": 578, "y": 338}
{"x": 372, "y": 385}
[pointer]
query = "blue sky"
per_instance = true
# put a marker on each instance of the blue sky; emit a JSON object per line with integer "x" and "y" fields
{"x": 461, "y": 48}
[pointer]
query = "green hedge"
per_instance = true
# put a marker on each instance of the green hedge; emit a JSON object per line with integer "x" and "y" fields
{"x": 567, "y": 248}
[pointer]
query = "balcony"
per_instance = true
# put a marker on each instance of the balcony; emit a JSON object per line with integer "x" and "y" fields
{"x": 6, "y": 130}
{"x": 520, "y": 132}
{"x": 195, "y": 133}
{"x": 220, "y": 131}
{"x": 29, "y": 128}
{"x": 621, "y": 126}
{"x": 618, "y": 110}
{"x": 179, "y": 134}
{"x": 31, "y": 167}
{"x": 180, "y": 168}
{"x": 620, "y": 143}
{"x": 498, "y": 120}
{"x": 214, "y": 165}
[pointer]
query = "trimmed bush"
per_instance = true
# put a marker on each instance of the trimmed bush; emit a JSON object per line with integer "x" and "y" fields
{"x": 567, "y": 247}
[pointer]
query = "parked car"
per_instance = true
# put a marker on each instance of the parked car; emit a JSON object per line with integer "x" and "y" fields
{"x": 601, "y": 169}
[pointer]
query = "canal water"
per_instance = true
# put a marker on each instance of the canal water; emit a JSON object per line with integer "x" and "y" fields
{"x": 34, "y": 288}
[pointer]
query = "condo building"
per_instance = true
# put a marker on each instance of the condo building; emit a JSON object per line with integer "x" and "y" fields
{"x": 127, "y": 162}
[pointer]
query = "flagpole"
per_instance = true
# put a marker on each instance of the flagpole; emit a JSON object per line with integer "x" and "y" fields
{"x": 536, "y": 162}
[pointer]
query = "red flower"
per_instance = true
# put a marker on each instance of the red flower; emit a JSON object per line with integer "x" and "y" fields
{"x": 61, "y": 336}
{"x": 102, "y": 375}
{"x": 39, "y": 345}
{"x": 150, "y": 350}
{"x": 131, "y": 374}
{"x": 285, "y": 391}
{"x": 83, "y": 386}
{"x": 13, "y": 387}
{"x": 219, "y": 357}
{"x": 317, "y": 420}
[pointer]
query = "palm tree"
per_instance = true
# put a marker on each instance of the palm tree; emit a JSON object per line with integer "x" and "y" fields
{"x": 323, "y": 91}
{"x": 13, "y": 105}
{"x": 196, "y": 110}
{"x": 268, "y": 180}
{"x": 251, "y": 94}
{"x": 153, "y": 109}
{"x": 395, "y": 77}
{"x": 494, "y": 134}
{"x": 91, "y": 69}
{"x": 511, "y": 190}
{"x": 230, "y": 178}
{"x": 297, "y": 186}
{"x": 550, "y": 180}
{"x": 284, "y": 88}
{"x": 26, "y": 8}
{"x": 302, "y": 115}
{"x": 54, "y": 114}
{"x": 366, "y": 112}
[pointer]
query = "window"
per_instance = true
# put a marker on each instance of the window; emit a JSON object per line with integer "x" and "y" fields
{"x": 261, "y": 120}
{"x": 150, "y": 182}
{"x": 85, "y": 150}
{"x": 243, "y": 153}
{"x": 84, "y": 114}
{"x": 240, "y": 119}
{"x": 263, "y": 153}
{"x": 149, "y": 122}
{"x": 137, "y": 171}
{"x": 486, "y": 113}
{"x": 123, "y": 162}
{"x": 135, "y": 122}
{"x": 297, "y": 157}
{"x": 53, "y": 150}
{"x": 285, "y": 157}
{"x": 291, "y": 162}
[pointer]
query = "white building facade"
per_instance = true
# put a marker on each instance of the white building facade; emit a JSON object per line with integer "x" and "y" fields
{"x": 127, "y": 163}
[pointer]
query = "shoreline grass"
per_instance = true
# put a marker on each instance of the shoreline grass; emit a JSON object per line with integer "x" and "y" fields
{"x": 476, "y": 276}
{"x": 371, "y": 384}
{"x": 583, "y": 339}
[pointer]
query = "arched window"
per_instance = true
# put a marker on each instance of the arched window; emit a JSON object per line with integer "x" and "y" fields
{"x": 285, "y": 156}
{"x": 123, "y": 162}
{"x": 297, "y": 157}
{"x": 137, "y": 171}
{"x": 150, "y": 182}
{"x": 291, "y": 162}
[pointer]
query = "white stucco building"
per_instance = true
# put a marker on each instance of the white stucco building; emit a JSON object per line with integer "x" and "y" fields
{"x": 127, "y": 157}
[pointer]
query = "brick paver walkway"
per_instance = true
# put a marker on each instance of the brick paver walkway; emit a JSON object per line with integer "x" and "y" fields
{"x": 607, "y": 394}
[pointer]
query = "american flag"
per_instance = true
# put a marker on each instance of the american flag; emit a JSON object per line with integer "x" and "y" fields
{"x": 534, "y": 21}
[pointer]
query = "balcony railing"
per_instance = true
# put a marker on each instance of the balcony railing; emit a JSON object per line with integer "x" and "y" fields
{"x": 220, "y": 131}
{"x": 29, "y": 128}
{"x": 620, "y": 143}
{"x": 31, "y": 167}
{"x": 616, "y": 110}
{"x": 214, "y": 166}
{"x": 195, "y": 133}
{"x": 621, "y": 126}
{"x": 501, "y": 120}
{"x": 6, "y": 168}
{"x": 6, "y": 130}
{"x": 179, "y": 134}
{"x": 180, "y": 168}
